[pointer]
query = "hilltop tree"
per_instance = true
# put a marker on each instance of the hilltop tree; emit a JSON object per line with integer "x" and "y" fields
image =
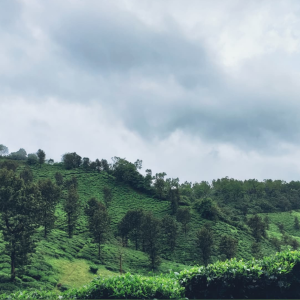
{"x": 184, "y": 217}
{"x": 207, "y": 208}
{"x": 98, "y": 222}
{"x": 71, "y": 160}
{"x": 205, "y": 242}
{"x": 41, "y": 156}
{"x": 169, "y": 228}
{"x": 9, "y": 165}
{"x": 105, "y": 165}
{"x": 72, "y": 209}
{"x": 26, "y": 175}
{"x": 258, "y": 227}
{"x": 107, "y": 195}
{"x": 228, "y": 246}
{"x": 32, "y": 159}
{"x": 151, "y": 234}
{"x": 3, "y": 150}
{"x": 86, "y": 163}
{"x": 159, "y": 184}
{"x": 20, "y": 216}
{"x": 50, "y": 196}
{"x": 59, "y": 179}
{"x": 21, "y": 154}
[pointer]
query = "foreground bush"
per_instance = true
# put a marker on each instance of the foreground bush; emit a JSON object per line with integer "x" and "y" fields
{"x": 119, "y": 287}
{"x": 272, "y": 277}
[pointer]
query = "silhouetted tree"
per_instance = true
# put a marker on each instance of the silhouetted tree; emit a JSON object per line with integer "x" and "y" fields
{"x": 86, "y": 163}
{"x": 98, "y": 220}
{"x": 184, "y": 217}
{"x": 258, "y": 227}
{"x": 169, "y": 228}
{"x": 72, "y": 209}
{"x": 228, "y": 246}
{"x": 205, "y": 242}
{"x": 20, "y": 217}
{"x": 50, "y": 196}
{"x": 71, "y": 160}
{"x": 41, "y": 156}
{"x": 296, "y": 223}
{"x": 151, "y": 235}
{"x": 3, "y": 150}
{"x": 32, "y": 159}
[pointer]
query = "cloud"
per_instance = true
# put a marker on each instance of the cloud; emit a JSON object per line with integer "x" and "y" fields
{"x": 216, "y": 75}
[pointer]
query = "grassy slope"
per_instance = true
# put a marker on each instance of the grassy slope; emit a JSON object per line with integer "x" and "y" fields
{"x": 66, "y": 261}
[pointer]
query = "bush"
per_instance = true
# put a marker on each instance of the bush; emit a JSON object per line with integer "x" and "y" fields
{"x": 94, "y": 269}
{"x": 271, "y": 277}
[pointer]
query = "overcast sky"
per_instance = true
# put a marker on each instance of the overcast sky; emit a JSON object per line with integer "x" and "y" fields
{"x": 199, "y": 89}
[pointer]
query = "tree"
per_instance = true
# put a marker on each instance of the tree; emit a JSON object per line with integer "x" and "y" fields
{"x": 20, "y": 217}
{"x": 41, "y": 156}
{"x": 3, "y": 150}
{"x": 59, "y": 179}
{"x": 105, "y": 165}
{"x": 98, "y": 222}
{"x": 170, "y": 231}
{"x": 184, "y": 217}
{"x": 32, "y": 159}
{"x": 50, "y": 196}
{"x": 19, "y": 155}
{"x": 71, "y": 208}
{"x": 207, "y": 208}
{"x": 71, "y": 160}
{"x": 205, "y": 242}
{"x": 296, "y": 223}
{"x": 98, "y": 165}
{"x": 258, "y": 227}
{"x": 9, "y": 165}
{"x": 107, "y": 195}
{"x": 26, "y": 175}
{"x": 50, "y": 161}
{"x": 72, "y": 182}
{"x": 256, "y": 250}
{"x": 151, "y": 235}
{"x": 86, "y": 163}
{"x": 159, "y": 184}
{"x": 228, "y": 246}
{"x": 174, "y": 198}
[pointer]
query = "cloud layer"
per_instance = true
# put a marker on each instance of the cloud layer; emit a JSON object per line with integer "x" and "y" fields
{"x": 212, "y": 85}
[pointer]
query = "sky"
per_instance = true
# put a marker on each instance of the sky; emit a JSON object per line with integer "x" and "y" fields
{"x": 197, "y": 89}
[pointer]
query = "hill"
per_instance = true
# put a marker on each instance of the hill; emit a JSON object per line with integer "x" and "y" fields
{"x": 60, "y": 262}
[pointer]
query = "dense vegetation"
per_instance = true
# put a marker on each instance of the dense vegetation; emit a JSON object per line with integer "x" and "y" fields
{"x": 83, "y": 217}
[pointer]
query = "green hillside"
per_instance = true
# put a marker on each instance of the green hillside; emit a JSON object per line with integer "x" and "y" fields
{"x": 60, "y": 262}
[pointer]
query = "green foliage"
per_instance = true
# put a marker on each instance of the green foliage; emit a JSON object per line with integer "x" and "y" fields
{"x": 27, "y": 175}
{"x": 71, "y": 160}
{"x": 72, "y": 209}
{"x": 258, "y": 227}
{"x": 3, "y": 150}
{"x": 107, "y": 195}
{"x": 184, "y": 217}
{"x": 169, "y": 228}
{"x": 94, "y": 269}
{"x": 9, "y": 165}
{"x": 21, "y": 154}
{"x": 205, "y": 242}
{"x": 207, "y": 208}
{"x": 272, "y": 277}
{"x": 32, "y": 159}
{"x": 228, "y": 246}
{"x": 41, "y": 156}
{"x": 296, "y": 223}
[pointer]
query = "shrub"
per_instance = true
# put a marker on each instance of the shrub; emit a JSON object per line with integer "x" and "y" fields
{"x": 94, "y": 269}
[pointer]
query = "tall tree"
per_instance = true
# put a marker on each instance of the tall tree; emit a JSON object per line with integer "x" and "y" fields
{"x": 41, "y": 156}
{"x": 258, "y": 227}
{"x": 151, "y": 235}
{"x": 32, "y": 159}
{"x": 228, "y": 246}
{"x": 50, "y": 196}
{"x": 159, "y": 184}
{"x": 20, "y": 216}
{"x": 71, "y": 160}
{"x": 205, "y": 242}
{"x": 296, "y": 223}
{"x": 86, "y": 163}
{"x": 107, "y": 195}
{"x": 174, "y": 198}
{"x": 59, "y": 179}
{"x": 72, "y": 210}
{"x": 169, "y": 228}
{"x": 98, "y": 220}
{"x": 184, "y": 217}
{"x": 27, "y": 175}
{"x": 3, "y": 150}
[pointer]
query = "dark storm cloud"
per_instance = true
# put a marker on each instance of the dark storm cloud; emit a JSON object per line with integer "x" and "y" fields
{"x": 106, "y": 54}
